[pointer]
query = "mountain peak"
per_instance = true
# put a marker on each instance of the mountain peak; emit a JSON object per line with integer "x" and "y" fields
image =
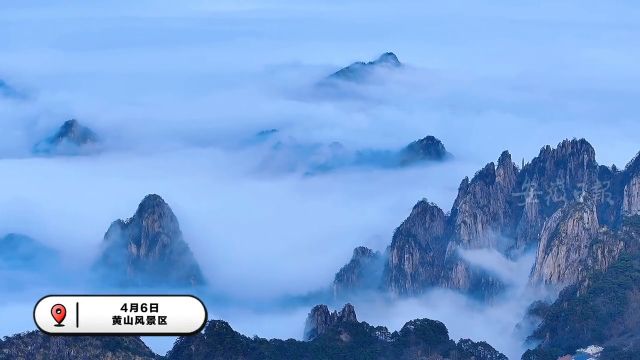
{"x": 388, "y": 58}
{"x": 429, "y": 148}
{"x": 151, "y": 203}
{"x": 70, "y": 138}
{"x": 141, "y": 250}
{"x": 361, "y": 71}
{"x": 570, "y": 148}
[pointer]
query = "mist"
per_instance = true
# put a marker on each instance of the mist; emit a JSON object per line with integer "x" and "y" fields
{"x": 178, "y": 92}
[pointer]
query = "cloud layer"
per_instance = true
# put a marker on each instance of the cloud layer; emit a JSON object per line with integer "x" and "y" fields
{"x": 175, "y": 90}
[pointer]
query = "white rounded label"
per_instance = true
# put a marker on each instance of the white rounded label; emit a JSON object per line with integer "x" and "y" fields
{"x": 120, "y": 314}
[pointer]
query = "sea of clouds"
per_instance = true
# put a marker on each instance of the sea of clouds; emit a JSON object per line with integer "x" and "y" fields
{"x": 177, "y": 93}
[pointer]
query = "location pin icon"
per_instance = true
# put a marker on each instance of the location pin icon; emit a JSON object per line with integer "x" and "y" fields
{"x": 59, "y": 312}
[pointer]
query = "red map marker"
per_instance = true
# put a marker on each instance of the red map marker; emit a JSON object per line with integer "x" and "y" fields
{"x": 59, "y": 312}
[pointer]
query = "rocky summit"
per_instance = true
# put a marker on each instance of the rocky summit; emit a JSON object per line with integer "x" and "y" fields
{"x": 71, "y": 138}
{"x": 562, "y": 203}
{"x": 428, "y": 148}
{"x": 148, "y": 250}
{"x": 320, "y": 320}
{"x": 362, "y": 71}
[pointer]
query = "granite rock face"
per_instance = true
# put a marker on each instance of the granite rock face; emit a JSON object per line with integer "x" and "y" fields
{"x": 71, "y": 138}
{"x": 482, "y": 212}
{"x": 417, "y": 251}
{"x": 567, "y": 252}
{"x": 631, "y": 185}
{"x": 556, "y": 178}
{"x": 148, "y": 250}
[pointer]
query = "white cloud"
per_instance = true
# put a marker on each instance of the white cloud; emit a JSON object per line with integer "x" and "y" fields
{"x": 173, "y": 89}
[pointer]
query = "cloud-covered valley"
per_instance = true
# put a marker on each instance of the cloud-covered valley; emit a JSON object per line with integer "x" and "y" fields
{"x": 177, "y": 94}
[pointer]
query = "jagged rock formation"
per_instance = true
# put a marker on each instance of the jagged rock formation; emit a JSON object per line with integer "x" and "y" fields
{"x": 36, "y": 345}
{"x": 320, "y": 320}
{"x": 363, "y": 272}
{"x": 346, "y": 339}
{"x": 361, "y": 71}
{"x": 562, "y": 203}
{"x": 428, "y": 148}
{"x": 71, "y": 138}
{"x": 148, "y": 249}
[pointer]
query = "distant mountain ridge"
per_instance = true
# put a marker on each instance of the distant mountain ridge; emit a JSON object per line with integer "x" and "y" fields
{"x": 288, "y": 155}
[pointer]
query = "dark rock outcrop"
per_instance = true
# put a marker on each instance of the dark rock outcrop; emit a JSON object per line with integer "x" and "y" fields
{"x": 361, "y": 71}
{"x": 320, "y": 320}
{"x": 363, "y": 272}
{"x": 36, "y": 345}
{"x": 428, "y": 148}
{"x": 148, "y": 250}
{"x": 71, "y": 138}
{"x": 345, "y": 339}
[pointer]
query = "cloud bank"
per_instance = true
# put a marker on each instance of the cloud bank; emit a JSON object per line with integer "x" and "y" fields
{"x": 175, "y": 90}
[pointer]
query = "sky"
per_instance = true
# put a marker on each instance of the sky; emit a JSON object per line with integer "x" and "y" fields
{"x": 177, "y": 90}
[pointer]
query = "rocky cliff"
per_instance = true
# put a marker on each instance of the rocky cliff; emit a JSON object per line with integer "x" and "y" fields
{"x": 148, "y": 250}
{"x": 417, "y": 251}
